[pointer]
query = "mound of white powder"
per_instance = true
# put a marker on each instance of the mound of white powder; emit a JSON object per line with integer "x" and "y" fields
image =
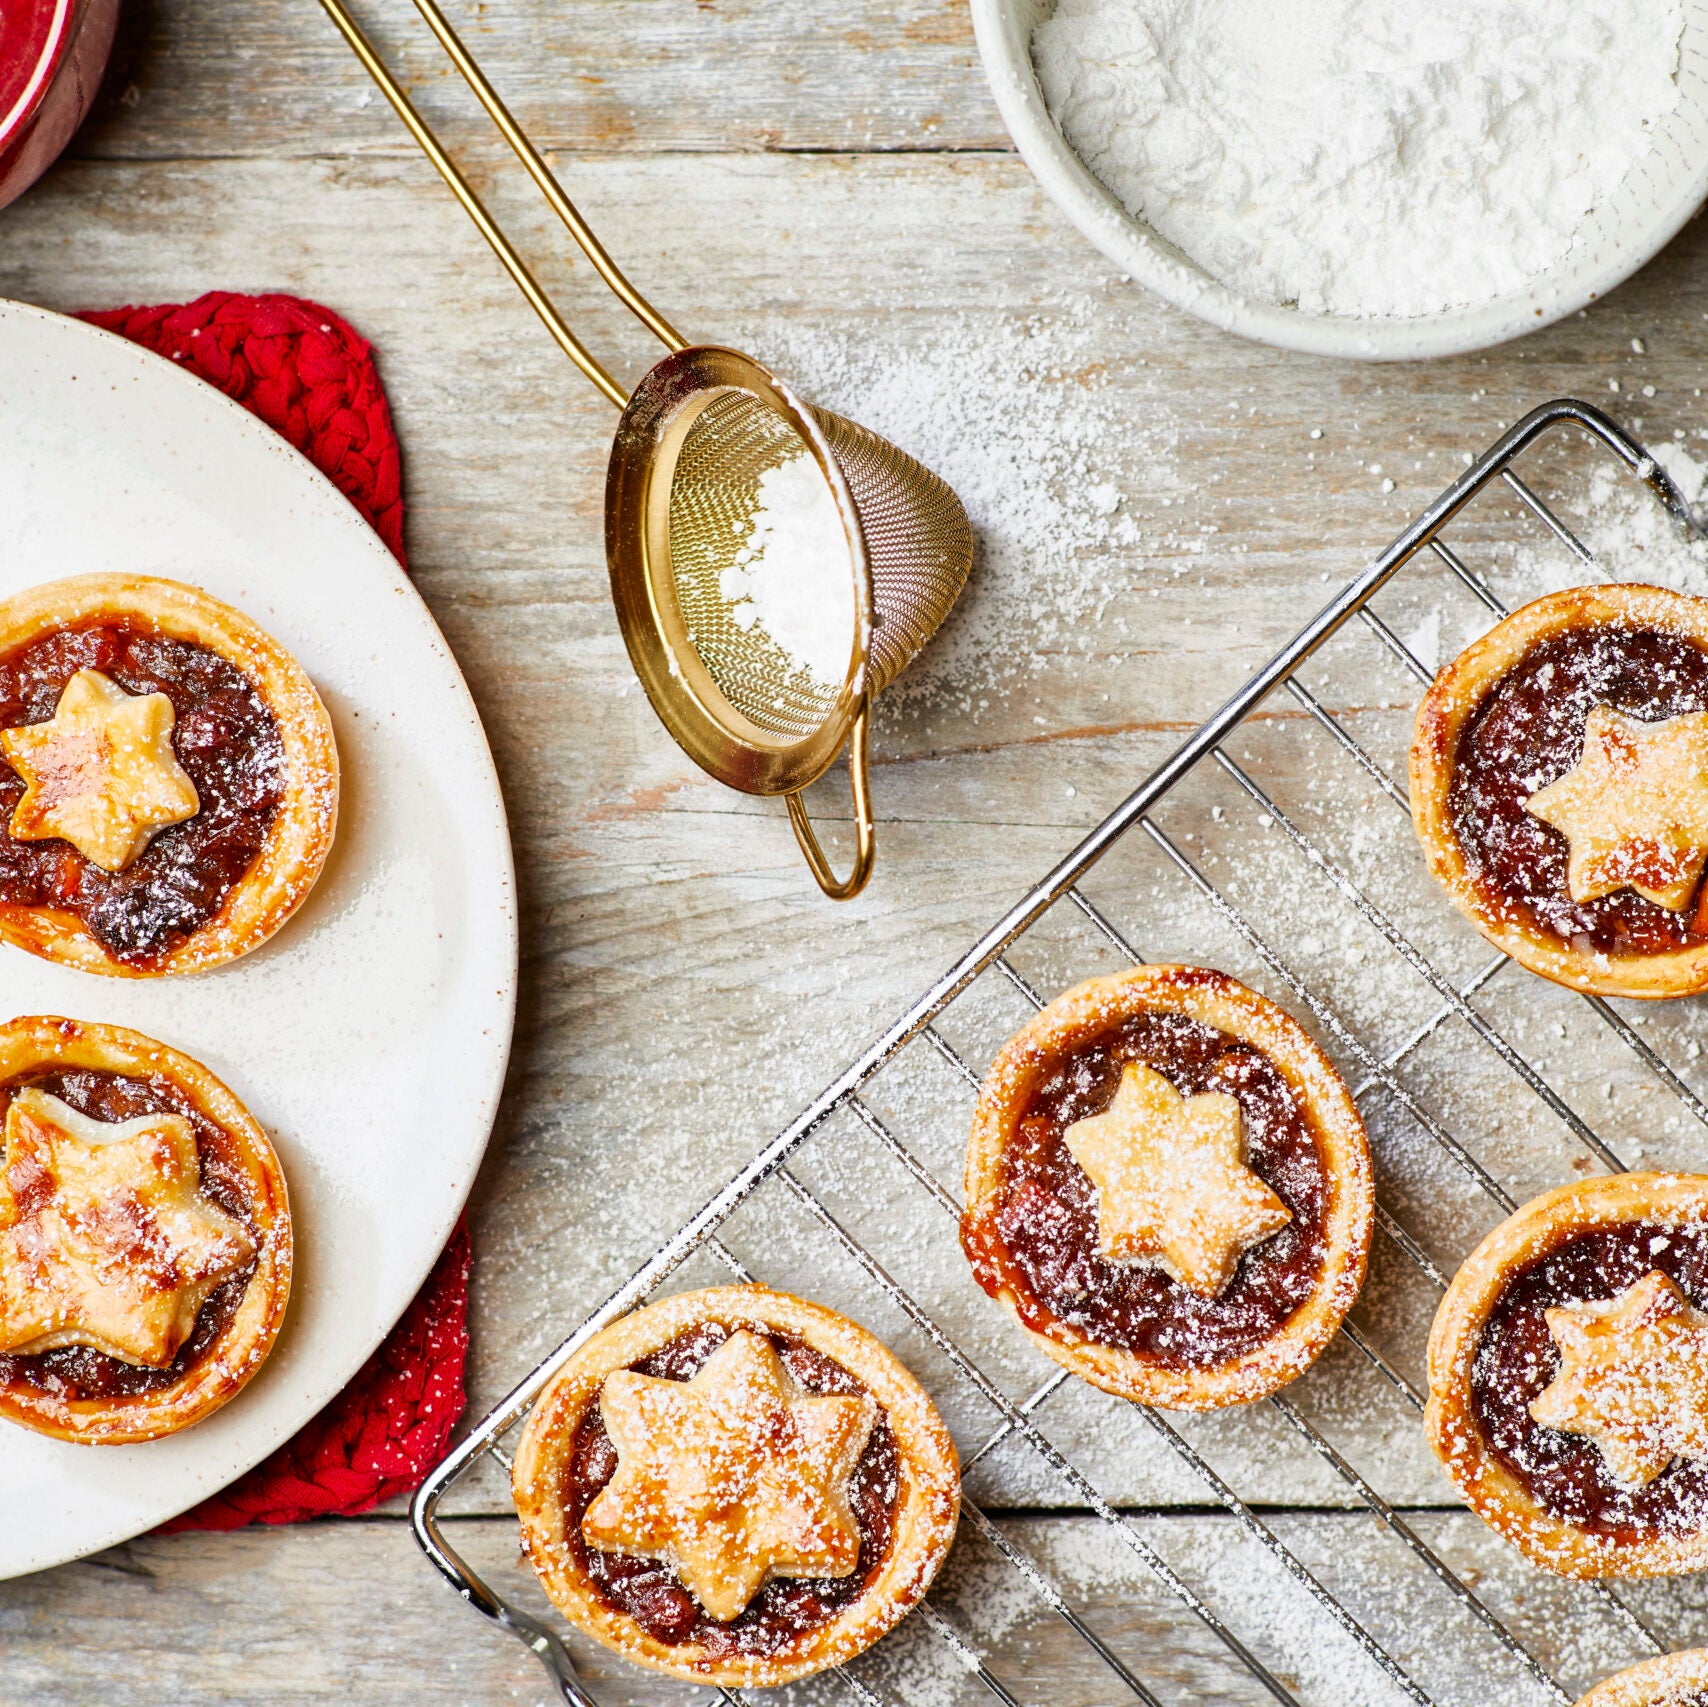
{"x": 1362, "y": 157}
{"x": 791, "y": 576}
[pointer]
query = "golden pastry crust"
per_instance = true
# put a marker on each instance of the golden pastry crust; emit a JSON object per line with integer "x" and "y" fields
{"x": 300, "y": 835}
{"x": 31, "y": 1046}
{"x": 1666, "y": 1681}
{"x": 1087, "y": 1013}
{"x": 1451, "y": 702}
{"x": 1492, "y": 1491}
{"x": 928, "y": 1502}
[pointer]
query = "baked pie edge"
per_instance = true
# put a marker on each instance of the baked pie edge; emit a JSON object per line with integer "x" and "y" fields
{"x": 1657, "y": 1682}
{"x": 1218, "y": 999}
{"x": 233, "y": 1360}
{"x": 926, "y": 1514}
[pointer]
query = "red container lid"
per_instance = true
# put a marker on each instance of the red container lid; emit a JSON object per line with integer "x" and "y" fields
{"x": 34, "y": 36}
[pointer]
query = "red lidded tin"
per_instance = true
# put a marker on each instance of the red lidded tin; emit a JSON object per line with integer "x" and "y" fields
{"x": 52, "y": 54}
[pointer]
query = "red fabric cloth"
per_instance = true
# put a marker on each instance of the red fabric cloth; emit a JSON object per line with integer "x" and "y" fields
{"x": 311, "y": 377}
{"x": 381, "y": 1435}
{"x": 304, "y": 370}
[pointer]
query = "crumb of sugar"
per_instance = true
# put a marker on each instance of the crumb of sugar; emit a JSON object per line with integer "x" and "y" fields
{"x": 1424, "y": 641}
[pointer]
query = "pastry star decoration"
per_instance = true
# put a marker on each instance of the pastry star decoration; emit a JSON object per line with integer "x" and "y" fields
{"x": 1633, "y": 1378}
{"x": 734, "y": 1477}
{"x": 101, "y": 773}
{"x": 1172, "y": 1184}
{"x": 105, "y": 1237}
{"x": 1634, "y": 808}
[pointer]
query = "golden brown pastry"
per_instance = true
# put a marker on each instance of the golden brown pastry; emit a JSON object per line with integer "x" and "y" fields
{"x": 1169, "y": 1188}
{"x": 168, "y": 777}
{"x": 1671, "y": 1680}
{"x": 145, "y": 1235}
{"x": 736, "y": 1487}
{"x": 1568, "y": 1377}
{"x": 1559, "y": 786}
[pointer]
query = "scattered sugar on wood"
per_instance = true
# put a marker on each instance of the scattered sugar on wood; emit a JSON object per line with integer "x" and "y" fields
{"x": 1631, "y": 535}
{"x": 1022, "y": 419}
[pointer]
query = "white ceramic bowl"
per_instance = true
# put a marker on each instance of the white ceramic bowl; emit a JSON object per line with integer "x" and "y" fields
{"x": 1660, "y": 192}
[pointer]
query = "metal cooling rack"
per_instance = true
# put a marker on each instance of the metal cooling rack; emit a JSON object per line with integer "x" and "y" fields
{"x": 1373, "y": 1070}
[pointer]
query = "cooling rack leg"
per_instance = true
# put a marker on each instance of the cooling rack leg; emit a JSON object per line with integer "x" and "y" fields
{"x": 552, "y": 1654}
{"x": 528, "y": 1630}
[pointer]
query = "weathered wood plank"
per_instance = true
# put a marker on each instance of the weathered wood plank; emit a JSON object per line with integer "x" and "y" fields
{"x": 272, "y": 79}
{"x": 350, "y": 1612}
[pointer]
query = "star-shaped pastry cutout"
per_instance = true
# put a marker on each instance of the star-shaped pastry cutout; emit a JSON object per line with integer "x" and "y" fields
{"x": 1172, "y": 1183}
{"x": 734, "y": 1477}
{"x": 100, "y": 773}
{"x": 105, "y": 1237}
{"x": 1634, "y": 808}
{"x": 1633, "y": 1378}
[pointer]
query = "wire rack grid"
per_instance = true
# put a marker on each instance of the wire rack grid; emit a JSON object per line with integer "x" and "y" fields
{"x": 1498, "y": 1630}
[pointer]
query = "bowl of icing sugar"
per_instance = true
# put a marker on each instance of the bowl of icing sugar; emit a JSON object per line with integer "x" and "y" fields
{"x": 1365, "y": 178}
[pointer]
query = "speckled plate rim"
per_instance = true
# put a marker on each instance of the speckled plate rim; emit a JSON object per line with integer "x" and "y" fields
{"x": 1659, "y": 196}
{"x": 388, "y": 972}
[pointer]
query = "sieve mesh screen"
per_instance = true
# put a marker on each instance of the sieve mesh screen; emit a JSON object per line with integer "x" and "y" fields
{"x": 918, "y": 542}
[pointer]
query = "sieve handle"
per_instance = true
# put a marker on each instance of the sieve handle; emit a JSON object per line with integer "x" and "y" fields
{"x": 472, "y": 205}
{"x": 859, "y": 781}
{"x": 521, "y": 145}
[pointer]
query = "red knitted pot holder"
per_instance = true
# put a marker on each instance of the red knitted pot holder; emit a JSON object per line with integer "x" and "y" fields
{"x": 311, "y": 378}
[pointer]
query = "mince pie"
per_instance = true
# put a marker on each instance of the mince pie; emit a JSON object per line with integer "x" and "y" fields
{"x": 1169, "y": 1187}
{"x": 168, "y": 778}
{"x": 1559, "y": 785}
{"x": 736, "y": 1487}
{"x": 1671, "y": 1680}
{"x": 1568, "y": 1377}
{"x": 145, "y": 1235}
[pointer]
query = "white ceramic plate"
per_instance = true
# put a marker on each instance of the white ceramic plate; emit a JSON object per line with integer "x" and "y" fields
{"x": 1659, "y": 193}
{"x": 369, "y": 1037}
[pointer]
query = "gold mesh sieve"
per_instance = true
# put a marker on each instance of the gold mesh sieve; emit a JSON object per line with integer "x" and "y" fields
{"x": 695, "y": 439}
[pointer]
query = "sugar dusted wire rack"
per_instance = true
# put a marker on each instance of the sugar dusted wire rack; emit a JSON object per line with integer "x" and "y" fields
{"x": 936, "y": 1309}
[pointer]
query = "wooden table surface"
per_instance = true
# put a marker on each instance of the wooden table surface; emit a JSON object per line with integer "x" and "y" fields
{"x": 1158, "y": 507}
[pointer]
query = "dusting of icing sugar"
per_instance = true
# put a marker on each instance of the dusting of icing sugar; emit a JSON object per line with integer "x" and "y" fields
{"x": 1310, "y": 152}
{"x": 1018, "y": 416}
{"x": 991, "y": 1606}
{"x": 1631, "y": 536}
{"x": 791, "y": 575}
